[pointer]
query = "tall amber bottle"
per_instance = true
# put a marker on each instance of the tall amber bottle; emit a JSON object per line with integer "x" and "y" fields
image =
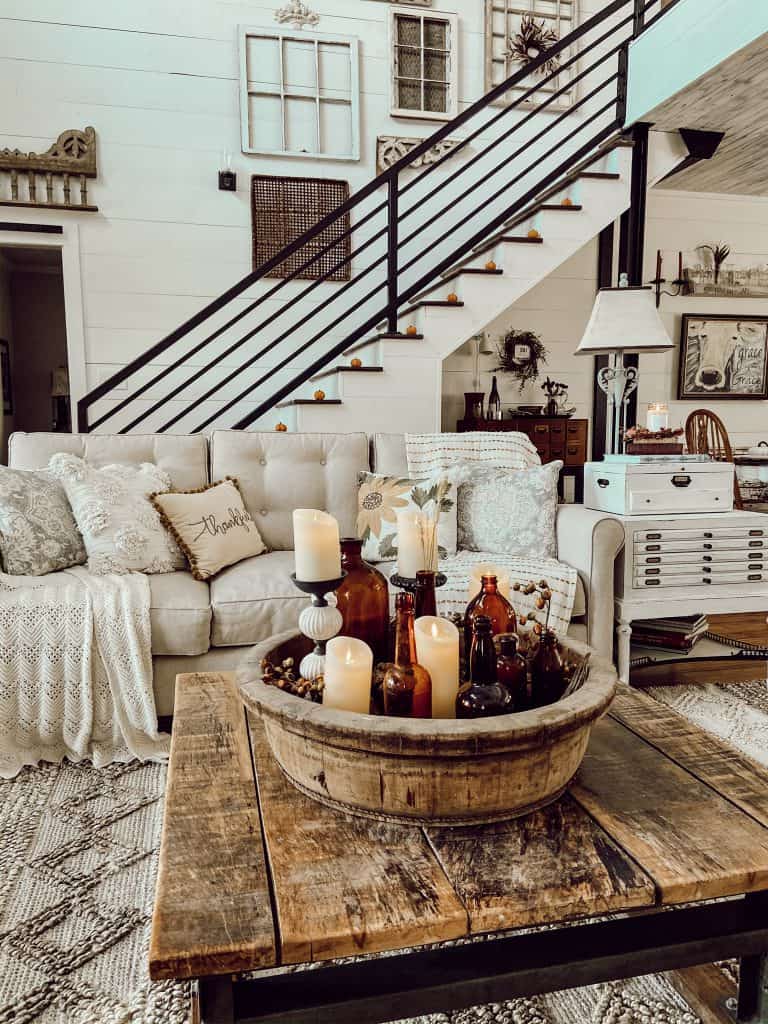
{"x": 406, "y": 685}
{"x": 548, "y": 680}
{"x": 512, "y": 670}
{"x": 363, "y": 600}
{"x": 483, "y": 695}
{"x": 491, "y": 603}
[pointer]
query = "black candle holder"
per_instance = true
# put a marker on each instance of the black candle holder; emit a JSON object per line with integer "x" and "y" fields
{"x": 411, "y": 584}
{"x": 320, "y": 622}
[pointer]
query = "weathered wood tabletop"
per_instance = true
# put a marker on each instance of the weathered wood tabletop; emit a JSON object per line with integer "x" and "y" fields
{"x": 253, "y": 874}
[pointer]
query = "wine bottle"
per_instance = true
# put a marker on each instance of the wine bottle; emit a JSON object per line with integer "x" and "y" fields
{"x": 406, "y": 685}
{"x": 494, "y": 403}
{"x": 482, "y": 696}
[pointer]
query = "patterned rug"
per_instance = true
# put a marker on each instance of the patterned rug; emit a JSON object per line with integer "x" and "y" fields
{"x": 78, "y": 858}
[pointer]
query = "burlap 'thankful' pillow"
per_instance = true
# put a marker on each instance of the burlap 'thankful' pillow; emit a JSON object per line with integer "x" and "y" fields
{"x": 211, "y": 526}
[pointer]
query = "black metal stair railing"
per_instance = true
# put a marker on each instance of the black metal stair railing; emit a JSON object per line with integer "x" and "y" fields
{"x": 406, "y": 262}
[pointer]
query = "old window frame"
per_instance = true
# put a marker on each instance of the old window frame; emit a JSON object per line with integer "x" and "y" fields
{"x": 283, "y": 92}
{"x": 451, "y": 83}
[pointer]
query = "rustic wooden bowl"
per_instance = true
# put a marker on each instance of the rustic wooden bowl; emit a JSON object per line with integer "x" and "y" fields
{"x": 427, "y": 771}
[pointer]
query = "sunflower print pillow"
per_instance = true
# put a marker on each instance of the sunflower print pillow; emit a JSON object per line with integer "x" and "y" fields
{"x": 380, "y": 498}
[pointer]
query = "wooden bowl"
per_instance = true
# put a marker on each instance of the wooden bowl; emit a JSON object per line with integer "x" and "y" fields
{"x": 427, "y": 771}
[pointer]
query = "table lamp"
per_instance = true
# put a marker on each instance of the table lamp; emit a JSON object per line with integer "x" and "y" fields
{"x": 624, "y": 319}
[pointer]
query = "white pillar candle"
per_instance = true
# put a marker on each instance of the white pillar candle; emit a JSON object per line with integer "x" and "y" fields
{"x": 488, "y": 569}
{"x": 410, "y": 545}
{"x": 316, "y": 545}
{"x": 348, "y": 675}
{"x": 437, "y": 649}
{"x": 657, "y": 416}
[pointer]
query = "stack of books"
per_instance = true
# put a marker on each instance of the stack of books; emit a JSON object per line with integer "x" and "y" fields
{"x": 676, "y": 634}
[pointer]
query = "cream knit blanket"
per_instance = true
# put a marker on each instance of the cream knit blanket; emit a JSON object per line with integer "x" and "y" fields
{"x": 76, "y": 670}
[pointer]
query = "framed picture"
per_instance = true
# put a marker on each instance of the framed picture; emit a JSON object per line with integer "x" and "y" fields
{"x": 714, "y": 271}
{"x": 5, "y": 377}
{"x": 723, "y": 357}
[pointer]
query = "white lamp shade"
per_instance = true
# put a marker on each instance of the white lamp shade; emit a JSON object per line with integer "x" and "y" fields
{"x": 624, "y": 320}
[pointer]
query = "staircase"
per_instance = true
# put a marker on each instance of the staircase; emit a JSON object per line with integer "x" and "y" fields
{"x": 435, "y": 257}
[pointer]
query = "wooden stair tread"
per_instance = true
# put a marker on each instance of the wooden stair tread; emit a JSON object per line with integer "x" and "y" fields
{"x": 438, "y": 303}
{"x": 309, "y": 401}
{"x": 473, "y": 270}
{"x": 601, "y": 175}
{"x": 573, "y": 208}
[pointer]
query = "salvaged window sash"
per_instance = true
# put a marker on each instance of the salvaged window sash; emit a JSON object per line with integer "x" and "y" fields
{"x": 56, "y": 179}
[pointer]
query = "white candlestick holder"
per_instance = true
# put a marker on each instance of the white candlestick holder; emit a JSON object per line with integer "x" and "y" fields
{"x": 320, "y": 622}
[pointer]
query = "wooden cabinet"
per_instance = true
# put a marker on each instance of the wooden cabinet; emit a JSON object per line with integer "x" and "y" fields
{"x": 554, "y": 437}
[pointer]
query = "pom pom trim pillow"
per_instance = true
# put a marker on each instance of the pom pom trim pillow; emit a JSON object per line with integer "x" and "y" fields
{"x": 510, "y": 512}
{"x": 211, "y": 525}
{"x": 380, "y": 498}
{"x": 121, "y": 530}
{"x": 38, "y": 533}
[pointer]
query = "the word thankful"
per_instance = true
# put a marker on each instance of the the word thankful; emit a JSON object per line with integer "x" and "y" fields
{"x": 236, "y": 520}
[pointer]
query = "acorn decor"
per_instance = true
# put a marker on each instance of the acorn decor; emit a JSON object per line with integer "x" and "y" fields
{"x": 356, "y": 363}
{"x": 411, "y": 329}
{"x": 319, "y": 395}
{"x": 490, "y": 265}
{"x": 533, "y": 233}
{"x": 452, "y": 297}
{"x": 281, "y": 427}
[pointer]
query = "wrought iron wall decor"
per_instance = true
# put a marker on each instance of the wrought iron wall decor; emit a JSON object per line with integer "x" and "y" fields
{"x": 391, "y": 148}
{"x": 46, "y": 179}
{"x": 282, "y": 209}
{"x": 518, "y": 32}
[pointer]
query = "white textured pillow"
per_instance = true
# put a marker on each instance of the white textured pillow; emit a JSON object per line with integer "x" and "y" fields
{"x": 121, "y": 529}
{"x": 510, "y": 512}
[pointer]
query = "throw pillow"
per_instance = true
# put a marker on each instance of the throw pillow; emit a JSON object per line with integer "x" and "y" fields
{"x": 510, "y": 513}
{"x": 37, "y": 531}
{"x": 121, "y": 529}
{"x": 380, "y": 498}
{"x": 211, "y": 526}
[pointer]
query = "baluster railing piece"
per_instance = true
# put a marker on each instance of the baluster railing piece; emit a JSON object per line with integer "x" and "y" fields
{"x": 14, "y": 185}
{"x": 49, "y": 187}
{"x": 73, "y": 154}
{"x": 32, "y": 186}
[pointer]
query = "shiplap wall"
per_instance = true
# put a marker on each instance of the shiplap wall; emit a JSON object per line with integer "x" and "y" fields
{"x": 559, "y": 307}
{"x": 159, "y": 82}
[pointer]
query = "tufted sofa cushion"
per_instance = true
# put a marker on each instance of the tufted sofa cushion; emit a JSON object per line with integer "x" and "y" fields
{"x": 180, "y": 614}
{"x": 280, "y": 472}
{"x": 255, "y": 599}
{"x": 184, "y": 457}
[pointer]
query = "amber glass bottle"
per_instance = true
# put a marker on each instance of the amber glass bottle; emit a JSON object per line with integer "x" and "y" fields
{"x": 483, "y": 695}
{"x": 426, "y": 599}
{"x": 363, "y": 600}
{"x": 492, "y": 604}
{"x": 547, "y": 672}
{"x": 407, "y": 686}
{"x": 512, "y": 671}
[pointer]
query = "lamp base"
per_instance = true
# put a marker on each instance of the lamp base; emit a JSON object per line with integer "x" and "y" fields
{"x": 617, "y": 381}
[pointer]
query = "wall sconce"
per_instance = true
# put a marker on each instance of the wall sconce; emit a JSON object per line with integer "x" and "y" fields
{"x": 227, "y": 177}
{"x": 680, "y": 283}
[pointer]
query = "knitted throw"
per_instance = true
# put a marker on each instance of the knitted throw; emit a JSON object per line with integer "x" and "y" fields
{"x": 76, "y": 670}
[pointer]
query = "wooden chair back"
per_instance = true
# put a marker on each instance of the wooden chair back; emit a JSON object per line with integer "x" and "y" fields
{"x": 705, "y": 434}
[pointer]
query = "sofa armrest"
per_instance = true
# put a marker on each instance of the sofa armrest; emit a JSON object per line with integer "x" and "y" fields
{"x": 590, "y": 541}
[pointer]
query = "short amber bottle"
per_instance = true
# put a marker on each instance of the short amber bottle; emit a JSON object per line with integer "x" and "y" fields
{"x": 482, "y": 696}
{"x": 548, "y": 680}
{"x": 512, "y": 670}
{"x": 406, "y": 685}
{"x": 490, "y": 602}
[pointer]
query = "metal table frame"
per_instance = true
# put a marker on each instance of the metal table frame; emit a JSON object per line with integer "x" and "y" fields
{"x": 380, "y": 989}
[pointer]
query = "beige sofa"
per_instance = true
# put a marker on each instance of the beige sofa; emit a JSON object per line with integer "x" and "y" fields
{"x": 206, "y": 626}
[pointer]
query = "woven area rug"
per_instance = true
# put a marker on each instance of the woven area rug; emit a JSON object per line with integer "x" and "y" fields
{"x": 78, "y": 857}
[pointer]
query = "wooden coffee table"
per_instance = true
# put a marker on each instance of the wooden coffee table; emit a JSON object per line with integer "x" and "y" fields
{"x": 661, "y": 819}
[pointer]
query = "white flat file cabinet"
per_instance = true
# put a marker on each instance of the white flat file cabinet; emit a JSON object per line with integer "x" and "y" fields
{"x": 681, "y": 564}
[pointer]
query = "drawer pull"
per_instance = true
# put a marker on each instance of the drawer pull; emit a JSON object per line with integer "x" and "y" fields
{"x": 654, "y": 560}
{"x": 706, "y": 558}
{"x": 759, "y": 566}
{"x": 706, "y": 579}
{"x": 652, "y": 572}
{"x": 653, "y": 536}
{"x": 707, "y": 568}
{"x": 602, "y": 482}
{"x": 653, "y": 547}
{"x": 755, "y": 576}
{"x": 651, "y": 583}
{"x": 708, "y": 536}
{"x": 755, "y": 533}
{"x": 707, "y": 547}
{"x": 681, "y": 480}
{"x": 755, "y": 544}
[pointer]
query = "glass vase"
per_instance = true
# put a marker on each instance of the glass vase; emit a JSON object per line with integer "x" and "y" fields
{"x": 363, "y": 600}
